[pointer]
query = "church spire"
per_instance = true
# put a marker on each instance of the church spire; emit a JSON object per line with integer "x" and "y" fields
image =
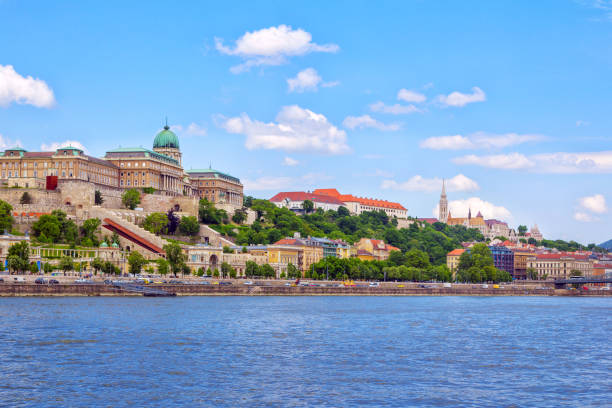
{"x": 443, "y": 206}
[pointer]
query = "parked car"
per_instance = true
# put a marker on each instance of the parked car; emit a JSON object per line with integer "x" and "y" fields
{"x": 374, "y": 284}
{"x": 18, "y": 279}
{"x": 1, "y": 280}
{"x": 40, "y": 281}
{"x": 225, "y": 283}
{"x": 53, "y": 282}
{"x": 248, "y": 282}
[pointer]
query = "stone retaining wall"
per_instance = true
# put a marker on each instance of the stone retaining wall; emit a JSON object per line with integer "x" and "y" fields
{"x": 11, "y": 289}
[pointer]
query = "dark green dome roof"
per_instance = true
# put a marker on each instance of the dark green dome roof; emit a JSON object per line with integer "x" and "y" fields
{"x": 166, "y": 138}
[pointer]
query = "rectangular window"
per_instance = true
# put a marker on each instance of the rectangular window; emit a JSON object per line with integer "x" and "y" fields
{"x": 25, "y": 165}
{"x": 63, "y": 173}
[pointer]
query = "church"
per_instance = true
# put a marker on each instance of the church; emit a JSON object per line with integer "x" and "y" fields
{"x": 489, "y": 228}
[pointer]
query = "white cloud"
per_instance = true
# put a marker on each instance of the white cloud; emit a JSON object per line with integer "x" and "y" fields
{"x": 284, "y": 183}
{"x": 460, "y": 208}
{"x": 308, "y": 80}
{"x": 584, "y": 217}
{"x": 410, "y": 96}
{"x": 478, "y": 140}
{"x": 268, "y": 183}
{"x": 419, "y": 183}
{"x": 396, "y": 109}
{"x": 288, "y": 161}
{"x": 557, "y": 163}
{"x": 295, "y": 129}
{"x": 23, "y": 90}
{"x": 366, "y": 121}
{"x": 271, "y": 46}
{"x": 56, "y": 145}
{"x": 459, "y": 99}
{"x": 456, "y": 142}
{"x": 511, "y": 161}
{"x": 193, "y": 129}
{"x": 6, "y": 143}
{"x": 595, "y": 204}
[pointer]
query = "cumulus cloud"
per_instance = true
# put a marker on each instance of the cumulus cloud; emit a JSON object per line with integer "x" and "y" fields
{"x": 410, "y": 96}
{"x": 276, "y": 184}
{"x": 459, "y": 99}
{"x": 288, "y": 161}
{"x": 595, "y": 203}
{"x": 395, "y": 109}
{"x": 584, "y": 217}
{"x": 271, "y": 46}
{"x": 6, "y": 143}
{"x": 51, "y": 147}
{"x": 308, "y": 80}
{"x": 193, "y": 129}
{"x": 460, "y": 208}
{"x": 478, "y": 140}
{"x": 419, "y": 183}
{"x": 557, "y": 163}
{"x": 366, "y": 121}
{"x": 15, "y": 88}
{"x": 295, "y": 129}
{"x": 512, "y": 161}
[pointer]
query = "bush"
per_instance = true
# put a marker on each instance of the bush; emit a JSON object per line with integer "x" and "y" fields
{"x": 131, "y": 198}
{"x": 26, "y": 198}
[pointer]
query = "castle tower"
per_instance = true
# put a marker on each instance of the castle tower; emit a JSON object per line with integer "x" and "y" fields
{"x": 443, "y": 211}
{"x": 166, "y": 142}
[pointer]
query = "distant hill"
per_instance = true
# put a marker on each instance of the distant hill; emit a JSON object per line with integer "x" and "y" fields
{"x": 607, "y": 245}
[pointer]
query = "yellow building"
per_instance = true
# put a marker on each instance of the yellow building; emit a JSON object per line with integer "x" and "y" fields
{"x": 375, "y": 249}
{"x": 477, "y": 222}
{"x": 67, "y": 163}
{"x": 452, "y": 259}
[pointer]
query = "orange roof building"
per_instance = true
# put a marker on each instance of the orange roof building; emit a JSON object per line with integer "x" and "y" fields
{"x": 357, "y": 205}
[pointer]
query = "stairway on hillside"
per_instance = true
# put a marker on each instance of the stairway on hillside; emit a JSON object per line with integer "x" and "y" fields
{"x": 123, "y": 219}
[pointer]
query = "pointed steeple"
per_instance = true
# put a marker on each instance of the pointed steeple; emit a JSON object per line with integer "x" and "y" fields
{"x": 470, "y": 214}
{"x": 443, "y": 206}
{"x": 443, "y": 188}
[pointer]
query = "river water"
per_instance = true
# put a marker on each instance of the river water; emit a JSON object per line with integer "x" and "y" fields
{"x": 306, "y": 351}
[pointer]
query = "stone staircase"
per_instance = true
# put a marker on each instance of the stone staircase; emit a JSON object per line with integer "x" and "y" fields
{"x": 125, "y": 220}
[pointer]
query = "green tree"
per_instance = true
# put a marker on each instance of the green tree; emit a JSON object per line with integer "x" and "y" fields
{"x": 49, "y": 226}
{"x": 175, "y": 256}
{"x": 522, "y": 230}
{"x": 292, "y": 271}
{"x": 216, "y": 273}
{"x": 136, "y": 261}
{"x": 89, "y": 229}
{"x": 98, "y": 199}
{"x": 227, "y": 250}
{"x": 97, "y": 265}
{"x": 532, "y": 274}
{"x": 33, "y": 268}
{"x": 162, "y": 266}
{"x": 251, "y": 269}
{"x": 239, "y": 216}
{"x": 26, "y": 198}
{"x": 267, "y": 271}
{"x": 19, "y": 257}
{"x": 189, "y": 225}
{"x": 155, "y": 223}
{"x": 6, "y": 216}
{"x": 307, "y": 206}
{"x": 66, "y": 264}
{"x": 200, "y": 272}
{"x": 131, "y": 198}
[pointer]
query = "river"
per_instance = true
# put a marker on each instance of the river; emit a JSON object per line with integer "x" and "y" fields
{"x": 306, "y": 351}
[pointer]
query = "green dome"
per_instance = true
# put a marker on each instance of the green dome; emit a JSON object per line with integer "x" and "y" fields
{"x": 166, "y": 138}
{"x": 104, "y": 245}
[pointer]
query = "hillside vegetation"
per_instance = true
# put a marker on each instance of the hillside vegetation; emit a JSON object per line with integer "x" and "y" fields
{"x": 275, "y": 223}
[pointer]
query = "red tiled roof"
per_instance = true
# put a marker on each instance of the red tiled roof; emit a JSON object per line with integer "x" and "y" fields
{"x": 38, "y": 154}
{"x": 301, "y": 196}
{"x": 349, "y": 198}
{"x": 327, "y": 191}
{"x": 429, "y": 220}
{"x": 457, "y": 251}
{"x": 563, "y": 255}
{"x": 286, "y": 241}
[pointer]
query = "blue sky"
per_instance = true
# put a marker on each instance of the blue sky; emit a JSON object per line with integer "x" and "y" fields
{"x": 508, "y": 100}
